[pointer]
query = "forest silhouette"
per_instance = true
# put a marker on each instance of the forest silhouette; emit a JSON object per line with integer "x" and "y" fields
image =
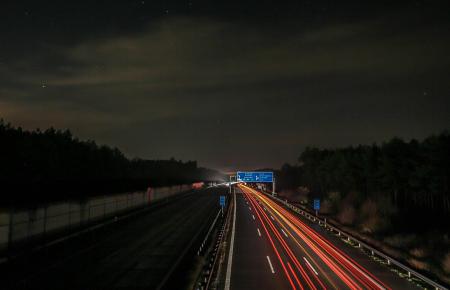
{"x": 39, "y": 166}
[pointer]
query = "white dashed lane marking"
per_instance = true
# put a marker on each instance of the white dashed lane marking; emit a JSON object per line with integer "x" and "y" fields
{"x": 270, "y": 265}
{"x": 310, "y": 266}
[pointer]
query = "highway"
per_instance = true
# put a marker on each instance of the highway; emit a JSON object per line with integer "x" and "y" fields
{"x": 277, "y": 249}
{"x": 137, "y": 253}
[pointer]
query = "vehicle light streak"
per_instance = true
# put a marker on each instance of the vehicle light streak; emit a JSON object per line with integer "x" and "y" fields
{"x": 293, "y": 273}
{"x": 309, "y": 233}
{"x": 332, "y": 265}
{"x": 304, "y": 231}
{"x": 350, "y": 264}
{"x": 276, "y": 252}
{"x": 324, "y": 274}
{"x": 284, "y": 245}
{"x": 318, "y": 280}
{"x": 342, "y": 275}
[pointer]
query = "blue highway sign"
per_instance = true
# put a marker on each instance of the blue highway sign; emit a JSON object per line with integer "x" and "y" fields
{"x": 254, "y": 176}
{"x": 222, "y": 200}
{"x": 316, "y": 204}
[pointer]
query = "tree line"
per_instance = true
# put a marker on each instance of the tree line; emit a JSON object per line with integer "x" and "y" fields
{"x": 413, "y": 175}
{"x": 53, "y": 164}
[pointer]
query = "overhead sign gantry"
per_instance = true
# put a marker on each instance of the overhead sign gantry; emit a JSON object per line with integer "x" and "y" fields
{"x": 254, "y": 176}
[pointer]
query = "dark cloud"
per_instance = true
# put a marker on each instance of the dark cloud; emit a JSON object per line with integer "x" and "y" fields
{"x": 229, "y": 87}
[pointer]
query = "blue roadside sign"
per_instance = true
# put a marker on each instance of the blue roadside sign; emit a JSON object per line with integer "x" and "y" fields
{"x": 316, "y": 204}
{"x": 222, "y": 200}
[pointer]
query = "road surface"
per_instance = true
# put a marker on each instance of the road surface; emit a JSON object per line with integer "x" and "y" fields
{"x": 138, "y": 253}
{"x": 276, "y": 249}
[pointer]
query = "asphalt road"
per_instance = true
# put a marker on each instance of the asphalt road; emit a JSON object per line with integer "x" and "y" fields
{"x": 276, "y": 249}
{"x": 136, "y": 254}
{"x": 252, "y": 252}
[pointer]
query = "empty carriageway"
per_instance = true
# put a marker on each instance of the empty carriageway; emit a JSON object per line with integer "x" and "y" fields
{"x": 137, "y": 253}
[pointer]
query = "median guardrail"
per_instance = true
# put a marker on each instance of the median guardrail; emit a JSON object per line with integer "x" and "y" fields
{"x": 212, "y": 251}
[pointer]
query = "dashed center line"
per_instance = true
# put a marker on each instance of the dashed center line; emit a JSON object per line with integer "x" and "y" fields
{"x": 253, "y": 216}
{"x": 259, "y": 233}
{"x": 272, "y": 218}
{"x": 270, "y": 265}
{"x": 284, "y": 233}
{"x": 310, "y": 266}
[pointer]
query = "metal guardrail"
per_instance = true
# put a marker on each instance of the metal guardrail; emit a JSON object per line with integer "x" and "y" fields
{"x": 410, "y": 272}
{"x": 219, "y": 244}
{"x": 208, "y": 233}
{"x": 210, "y": 249}
{"x": 210, "y": 255}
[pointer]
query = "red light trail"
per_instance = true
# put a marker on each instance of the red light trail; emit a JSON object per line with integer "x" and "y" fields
{"x": 347, "y": 270}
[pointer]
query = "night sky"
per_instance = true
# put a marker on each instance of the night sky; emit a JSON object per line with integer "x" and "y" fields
{"x": 232, "y": 84}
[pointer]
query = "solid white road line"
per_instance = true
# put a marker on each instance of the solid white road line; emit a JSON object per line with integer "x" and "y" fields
{"x": 314, "y": 270}
{"x": 270, "y": 265}
{"x": 284, "y": 233}
{"x": 230, "y": 253}
{"x": 259, "y": 233}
